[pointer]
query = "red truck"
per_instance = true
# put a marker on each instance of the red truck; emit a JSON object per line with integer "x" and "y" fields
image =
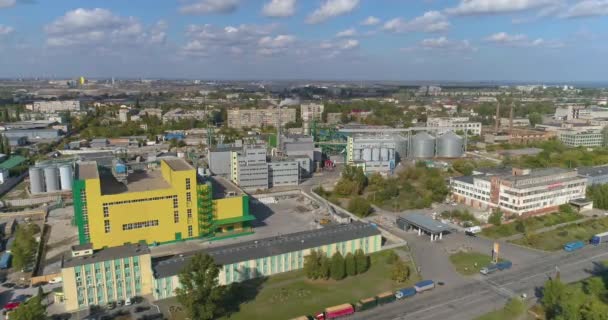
{"x": 336, "y": 312}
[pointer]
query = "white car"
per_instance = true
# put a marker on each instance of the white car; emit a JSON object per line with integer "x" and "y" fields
{"x": 128, "y": 302}
{"x": 56, "y": 280}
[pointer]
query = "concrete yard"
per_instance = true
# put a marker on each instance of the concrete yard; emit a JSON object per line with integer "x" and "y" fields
{"x": 63, "y": 235}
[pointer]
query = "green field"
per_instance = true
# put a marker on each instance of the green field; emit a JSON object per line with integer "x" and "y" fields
{"x": 469, "y": 263}
{"x": 555, "y": 239}
{"x": 290, "y": 295}
{"x": 530, "y": 224}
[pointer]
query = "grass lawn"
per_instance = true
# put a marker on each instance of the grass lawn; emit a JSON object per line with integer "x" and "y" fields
{"x": 531, "y": 224}
{"x": 290, "y": 295}
{"x": 555, "y": 239}
{"x": 469, "y": 263}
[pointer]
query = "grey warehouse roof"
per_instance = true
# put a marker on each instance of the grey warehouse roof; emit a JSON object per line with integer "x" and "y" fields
{"x": 256, "y": 249}
{"x": 425, "y": 222}
{"x": 113, "y": 253}
{"x": 593, "y": 171}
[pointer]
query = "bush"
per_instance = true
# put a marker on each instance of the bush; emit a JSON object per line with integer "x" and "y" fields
{"x": 391, "y": 257}
{"x": 351, "y": 265}
{"x": 514, "y": 308}
{"x": 338, "y": 270}
{"x": 360, "y": 207}
{"x": 362, "y": 261}
{"x": 400, "y": 272}
{"x": 495, "y": 218}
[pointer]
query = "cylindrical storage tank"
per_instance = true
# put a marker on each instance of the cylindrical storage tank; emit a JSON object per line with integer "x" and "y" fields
{"x": 384, "y": 154}
{"x": 66, "y": 177}
{"x": 450, "y": 145}
{"x": 36, "y": 180}
{"x": 51, "y": 179}
{"x": 367, "y": 154}
{"x": 423, "y": 145}
{"x": 376, "y": 154}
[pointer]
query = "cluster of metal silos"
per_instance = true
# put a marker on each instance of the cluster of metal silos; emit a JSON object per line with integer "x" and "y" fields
{"x": 374, "y": 154}
{"x": 448, "y": 145}
{"x": 51, "y": 178}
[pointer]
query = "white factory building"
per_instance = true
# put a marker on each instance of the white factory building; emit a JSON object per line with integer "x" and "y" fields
{"x": 519, "y": 191}
{"x": 454, "y": 124}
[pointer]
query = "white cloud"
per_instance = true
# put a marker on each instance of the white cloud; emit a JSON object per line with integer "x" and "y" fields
{"x": 522, "y": 40}
{"x": 210, "y": 6}
{"x": 351, "y": 32}
{"x": 330, "y": 9}
{"x": 271, "y": 46}
{"x": 443, "y": 44}
{"x": 370, "y": 21}
{"x": 101, "y": 27}
{"x": 7, "y": 3}
{"x": 430, "y": 21}
{"x": 5, "y": 30}
{"x": 472, "y": 7}
{"x": 587, "y": 8}
{"x": 279, "y": 8}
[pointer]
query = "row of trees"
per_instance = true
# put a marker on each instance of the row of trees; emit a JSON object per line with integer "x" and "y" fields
{"x": 32, "y": 309}
{"x": 586, "y": 302}
{"x": 25, "y": 246}
{"x": 318, "y": 266}
{"x": 599, "y": 195}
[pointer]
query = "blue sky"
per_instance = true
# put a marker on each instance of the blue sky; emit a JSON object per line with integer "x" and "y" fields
{"x": 468, "y": 40}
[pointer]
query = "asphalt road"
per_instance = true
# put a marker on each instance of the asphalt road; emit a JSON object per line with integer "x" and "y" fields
{"x": 476, "y": 298}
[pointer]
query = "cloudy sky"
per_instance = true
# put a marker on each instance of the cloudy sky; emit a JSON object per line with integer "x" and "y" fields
{"x": 526, "y": 40}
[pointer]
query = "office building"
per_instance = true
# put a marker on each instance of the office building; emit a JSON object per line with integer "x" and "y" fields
{"x": 581, "y": 139}
{"x": 520, "y": 191}
{"x": 255, "y": 118}
{"x": 97, "y": 277}
{"x": 454, "y": 124}
{"x": 122, "y": 205}
{"x": 54, "y": 106}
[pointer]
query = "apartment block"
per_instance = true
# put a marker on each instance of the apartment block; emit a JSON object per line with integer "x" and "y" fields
{"x": 253, "y": 118}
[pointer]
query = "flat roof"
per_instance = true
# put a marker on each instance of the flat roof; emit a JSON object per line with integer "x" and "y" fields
{"x": 124, "y": 251}
{"x": 524, "y": 151}
{"x": 221, "y": 186}
{"x": 593, "y": 171}
{"x": 178, "y": 164}
{"x": 272, "y": 246}
{"x": 12, "y": 162}
{"x": 87, "y": 170}
{"x": 465, "y": 179}
{"x": 137, "y": 181}
{"x": 425, "y": 222}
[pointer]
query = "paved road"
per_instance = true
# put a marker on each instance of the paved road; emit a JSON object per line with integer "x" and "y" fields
{"x": 470, "y": 300}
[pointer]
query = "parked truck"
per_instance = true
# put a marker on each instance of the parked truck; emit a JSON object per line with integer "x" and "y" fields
{"x": 366, "y": 304}
{"x": 5, "y": 260}
{"x": 405, "y": 293}
{"x": 385, "y": 297}
{"x": 336, "y": 312}
{"x": 573, "y": 246}
{"x": 599, "y": 238}
{"x": 424, "y": 285}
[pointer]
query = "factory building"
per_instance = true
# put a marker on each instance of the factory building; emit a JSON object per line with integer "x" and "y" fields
{"x": 594, "y": 175}
{"x": 283, "y": 172}
{"x": 455, "y": 124}
{"x": 581, "y": 139}
{"x": 375, "y": 153}
{"x": 155, "y": 206}
{"x": 248, "y": 168}
{"x": 111, "y": 274}
{"x": 33, "y": 134}
{"x": 51, "y": 178}
{"x": 520, "y": 191}
{"x": 298, "y": 146}
{"x": 219, "y": 159}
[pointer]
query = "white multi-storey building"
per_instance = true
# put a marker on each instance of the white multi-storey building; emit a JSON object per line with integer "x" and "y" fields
{"x": 54, "y": 106}
{"x": 311, "y": 111}
{"x": 454, "y": 124}
{"x": 520, "y": 192}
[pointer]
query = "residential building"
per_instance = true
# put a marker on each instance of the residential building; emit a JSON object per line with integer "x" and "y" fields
{"x": 97, "y": 277}
{"x": 152, "y": 112}
{"x": 334, "y": 117}
{"x": 154, "y": 206}
{"x": 180, "y": 114}
{"x": 581, "y": 139}
{"x": 311, "y": 111}
{"x": 108, "y": 275}
{"x": 54, "y": 106}
{"x": 520, "y": 191}
{"x": 454, "y": 124}
{"x": 254, "y": 118}
{"x": 594, "y": 175}
{"x": 248, "y": 168}
{"x": 123, "y": 115}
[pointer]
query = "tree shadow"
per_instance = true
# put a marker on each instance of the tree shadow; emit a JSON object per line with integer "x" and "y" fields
{"x": 240, "y": 293}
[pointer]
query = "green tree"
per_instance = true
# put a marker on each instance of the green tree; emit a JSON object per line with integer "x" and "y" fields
{"x": 311, "y": 265}
{"x": 351, "y": 264}
{"x": 514, "y": 308}
{"x": 535, "y": 118}
{"x": 362, "y": 261}
{"x": 360, "y": 207}
{"x": 496, "y": 218}
{"x": 324, "y": 267}
{"x": 400, "y": 271}
{"x": 24, "y": 247}
{"x": 32, "y": 309}
{"x": 554, "y": 293}
{"x": 338, "y": 269}
{"x": 199, "y": 291}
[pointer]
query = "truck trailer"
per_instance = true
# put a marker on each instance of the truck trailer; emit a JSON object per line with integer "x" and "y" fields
{"x": 599, "y": 238}
{"x": 405, "y": 293}
{"x": 424, "y": 285}
{"x": 336, "y": 312}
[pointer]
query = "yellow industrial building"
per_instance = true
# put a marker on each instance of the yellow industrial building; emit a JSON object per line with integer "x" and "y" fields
{"x": 117, "y": 206}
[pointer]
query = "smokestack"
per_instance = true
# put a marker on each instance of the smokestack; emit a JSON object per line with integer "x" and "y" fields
{"x": 511, "y": 120}
{"x": 497, "y": 123}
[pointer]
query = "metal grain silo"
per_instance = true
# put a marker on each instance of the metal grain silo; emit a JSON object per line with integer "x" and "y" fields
{"x": 376, "y": 154}
{"x": 51, "y": 179}
{"x": 36, "y": 180}
{"x": 450, "y": 145}
{"x": 66, "y": 177}
{"x": 384, "y": 154}
{"x": 423, "y": 145}
{"x": 367, "y": 154}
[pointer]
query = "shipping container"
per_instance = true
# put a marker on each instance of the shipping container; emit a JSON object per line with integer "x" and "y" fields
{"x": 573, "y": 246}
{"x": 405, "y": 293}
{"x": 424, "y": 285}
{"x": 504, "y": 265}
{"x": 599, "y": 238}
{"x": 386, "y": 297}
{"x": 5, "y": 260}
{"x": 366, "y": 304}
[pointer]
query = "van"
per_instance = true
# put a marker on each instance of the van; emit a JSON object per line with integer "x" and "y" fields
{"x": 473, "y": 229}
{"x": 128, "y": 302}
